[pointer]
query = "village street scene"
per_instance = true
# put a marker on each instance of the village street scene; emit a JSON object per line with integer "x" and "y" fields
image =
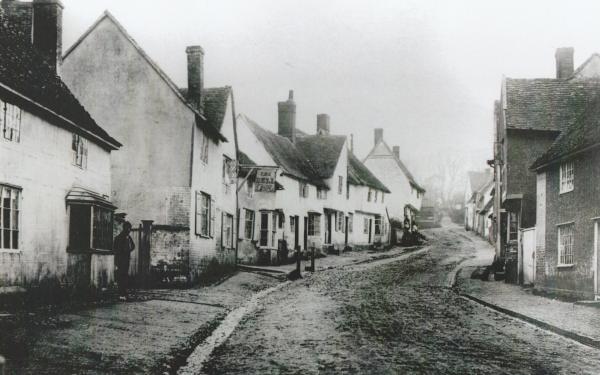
{"x": 276, "y": 187}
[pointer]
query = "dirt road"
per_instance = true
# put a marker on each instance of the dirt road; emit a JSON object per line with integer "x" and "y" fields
{"x": 393, "y": 317}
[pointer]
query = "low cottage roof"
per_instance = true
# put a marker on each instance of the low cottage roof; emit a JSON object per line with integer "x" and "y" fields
{"x": 359, "y": 174}
{"x": 583, "y": 134}
{"x": 285, "y": 154}
{"x": 25, "y": 75}
{"x": 322, "y": 151}
{"x": 547, "y": 104}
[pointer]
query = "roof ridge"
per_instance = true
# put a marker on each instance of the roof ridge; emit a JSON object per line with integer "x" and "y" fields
{"x": 164, "y": 76}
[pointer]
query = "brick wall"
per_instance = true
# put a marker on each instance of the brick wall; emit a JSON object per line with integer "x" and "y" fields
{"x": 523, "y": 148}
{"x": 578, "y": 206}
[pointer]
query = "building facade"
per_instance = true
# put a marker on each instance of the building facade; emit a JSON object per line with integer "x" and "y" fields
{"x": 529, "y": 116}
{"x": 323, "y": 197}
{"x": 569, "y": 210}
{"x": 56, "y": 215}
{"x": 173, "y": 175}
{"x": 406, "y": 195}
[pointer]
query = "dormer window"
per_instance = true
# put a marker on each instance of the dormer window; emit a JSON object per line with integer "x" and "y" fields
{"x": 80, "y": 151}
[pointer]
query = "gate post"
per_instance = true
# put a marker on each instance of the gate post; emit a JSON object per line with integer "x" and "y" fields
{"x": 2, "y": 364}
{"x": 144, "y": 252}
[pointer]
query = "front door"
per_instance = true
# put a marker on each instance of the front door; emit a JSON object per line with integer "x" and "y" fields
{"x": 305, "y": 233}
{"x": 346, "y": 232}
{"x": 264, "y": 229}
{"x": 370, "y": 225}
{"x": 296, "y": 231}
{"x": 328, "y": 227}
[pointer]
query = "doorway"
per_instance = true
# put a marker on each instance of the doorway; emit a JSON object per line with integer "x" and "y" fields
{"x": 370, "y": 226}
{"x": 305, "y": 233}
{"x": 346, "y": 231}
{"x": 296, "y": 232}
{"x": 264, "y": 229}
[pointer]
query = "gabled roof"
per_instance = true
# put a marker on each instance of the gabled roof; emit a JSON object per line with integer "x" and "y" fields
{"x": 547, "y": 104}
{"x": 582, "y": 135}
{"x": 359, "y": 174}
{"x": 322, "y": 151}
{"x": 214, "y": 102}
{"x": 382, "y": 150}
{"x": 200, "y": 119}
{"x": 589, "y": 69}
{"x": 285, "y": 154}
{"x": 487, "y": 206}
{"x": 24, "y": 75}
{"x": 479, "y": 180}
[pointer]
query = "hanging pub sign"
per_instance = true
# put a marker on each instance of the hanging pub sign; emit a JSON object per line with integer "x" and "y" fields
{"x": 265, "y": 180}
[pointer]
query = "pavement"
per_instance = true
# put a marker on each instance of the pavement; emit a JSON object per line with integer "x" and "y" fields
{"x": 154, "y": 333}
{"x": 578, "y": 322}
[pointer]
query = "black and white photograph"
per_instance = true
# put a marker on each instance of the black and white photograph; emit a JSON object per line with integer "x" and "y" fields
{"x": 299, "y": 187}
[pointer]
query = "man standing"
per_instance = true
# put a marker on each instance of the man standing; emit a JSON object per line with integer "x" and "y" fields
{"x": 123, "y": 246}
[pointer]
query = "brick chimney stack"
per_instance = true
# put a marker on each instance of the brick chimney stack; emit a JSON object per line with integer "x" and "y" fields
{"x": 396, "y": 150}
{"x": 47, "y": 30}
{"x": 195, "y": 65}
{"x": 322, "y": 124}
{"x": 378, "y": 135}
{"x": 286, "y": 120}
{"x": 564, "y": 62}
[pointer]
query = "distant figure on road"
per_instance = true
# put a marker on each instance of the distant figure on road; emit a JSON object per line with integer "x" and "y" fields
{"x": 417, "y": 237}
{"x": 123, "y": 246}
{"x": 406, "y": 235}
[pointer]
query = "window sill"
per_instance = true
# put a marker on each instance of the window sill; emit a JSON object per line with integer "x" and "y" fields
{"x": 203, "y": 236}
{"x": 565, "y": 192}
{"x": 10, "y": 251}
{"x": 90, "y": 251}
{"x": 565, "y": 265}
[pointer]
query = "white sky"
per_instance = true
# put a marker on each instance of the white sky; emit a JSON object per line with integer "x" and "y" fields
{"x": 425, "y": 71}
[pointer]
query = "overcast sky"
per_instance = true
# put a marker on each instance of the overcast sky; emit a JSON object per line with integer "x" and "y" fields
{"x": 427, "y": 72}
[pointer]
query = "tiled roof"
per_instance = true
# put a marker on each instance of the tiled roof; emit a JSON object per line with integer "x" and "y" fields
{"x": 244, "y": 159}
{"x": 479, "y": 180}
{"x": 322, "y": 151}
{"x": 547, "y": 104}
{"x": 359, "y": 174}
{"x": 24, "y": 72}
{"x": 285, "y": 154}
{"x": 214, "y": 100}
{"x": 583, "y": 134}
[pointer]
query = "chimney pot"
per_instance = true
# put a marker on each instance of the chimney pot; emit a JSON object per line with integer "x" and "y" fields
{"x": 564, "y": 62}
{"x": 323, "y": 124}
{"x": 378, "y": 135}
{"x": 286, "y": 121}
{"x": 195, "y": 65}
{"x": 47, "y": 30}
{"x": 396, "y": 150}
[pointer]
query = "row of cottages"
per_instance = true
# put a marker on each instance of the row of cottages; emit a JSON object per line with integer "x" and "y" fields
{"x": 323, "y": 198}
{"x": 541, "y": 235}
{"x": 173, "y": 138}
{"x": 56, "y": 224}
{"x": 406, "y": 197}
{"x": 479, "y": 202}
